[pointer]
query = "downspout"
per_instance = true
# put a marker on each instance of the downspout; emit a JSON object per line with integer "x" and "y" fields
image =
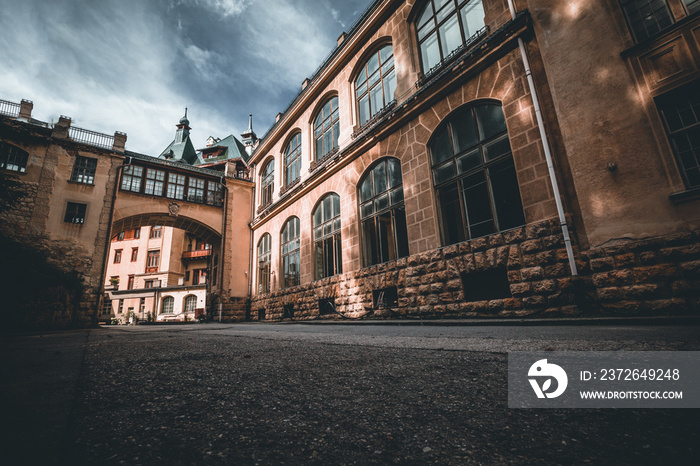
{"x": 547, "y": 151}
{"x": 222, "y": 253}
{"x": 250, "y": 258}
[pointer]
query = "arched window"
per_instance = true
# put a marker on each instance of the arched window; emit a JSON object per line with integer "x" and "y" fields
{"x": 446, "y": 25}
{"x": 327, "y": 128}
{"x": 290, "y": 253}
{"x": 190, "y": 303}
{"x": 292, "y": 160}
{"x": 168, "y": 305}
{"x": 326, "y": 233}
{"x": 376, "y": 83}
{"x": 264, "y": 248}
{"x": 382, "y": 213}
{"x": 267, "y": 182}
{"x": 474, "y": 175}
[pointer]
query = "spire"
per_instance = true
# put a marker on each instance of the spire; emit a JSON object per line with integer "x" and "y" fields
{"x": 184, "y": 120}
{"x": 250, "y": 123}
{"x": 249, "y": 136}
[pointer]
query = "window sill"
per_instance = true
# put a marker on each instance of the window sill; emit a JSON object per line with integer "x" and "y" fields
{"x": 688, "y": 195}
{"x": 81, "y": 183}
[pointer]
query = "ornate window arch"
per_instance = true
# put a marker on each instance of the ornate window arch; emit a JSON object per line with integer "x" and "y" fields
{"x": 267, "y": 182}
{"x": 382, "y": 213}
{"x": 375, "y": 83}
{"x": 326, "y": 236}
{"x": 264, "y": 261}
{"x": 474, "y": 175}
{"x": 168, "y": 305}
{"x": 289, "y": 252}
{"x": 292, "y": 159}
{"x": 445, "y": 26}
{"x": 326, "y": 128}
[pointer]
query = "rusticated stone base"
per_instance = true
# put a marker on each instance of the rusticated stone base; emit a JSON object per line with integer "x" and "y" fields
{"x": 519, "y": 273}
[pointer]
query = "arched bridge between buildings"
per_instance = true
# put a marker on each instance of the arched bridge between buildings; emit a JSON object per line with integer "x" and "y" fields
{"x": 160, "y": 193}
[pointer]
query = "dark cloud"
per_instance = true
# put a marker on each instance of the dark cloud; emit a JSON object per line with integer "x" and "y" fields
{"x": 133, "y": 66}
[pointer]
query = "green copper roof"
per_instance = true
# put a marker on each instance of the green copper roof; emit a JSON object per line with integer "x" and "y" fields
{"x": 234, "y": 149}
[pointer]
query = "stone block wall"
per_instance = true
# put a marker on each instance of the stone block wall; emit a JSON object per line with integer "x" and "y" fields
{"x": 521, "y": 273}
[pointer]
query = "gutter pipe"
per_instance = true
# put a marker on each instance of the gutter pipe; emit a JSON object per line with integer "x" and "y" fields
{"x": 547, "y": 151}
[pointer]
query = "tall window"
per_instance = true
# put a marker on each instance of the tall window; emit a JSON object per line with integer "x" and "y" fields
{"x": 680, "y": 111}
{"x": 156, "y": 232}
{"x": 474, "y": 175}
{"x": 326, "y": 233}
{"x": 84, "y": 170}
{"x": 382, "y": 213}
{"x": 176, "y": 186}
{"x": 130, "y": 283}
{"x": 152, "y": 261}
{"x": 131, "y": 178}
{"x": 445, "y": 26}
{"x": 190, "y": 303}
{"x": 646, "y": 17}
{"x": 75, "y": 213}
{"x": 264, "y": 250}
{"x": 155, "y": 180}
{"x": 168, "y": 305}
{"x": 267, "y": 182}
{"x": 290, "y": 253}
{"x": 376, "y": 83}
{"x": 199, "y": 277}
{"x": 292, "y": 160}
{"x": 327, "y": 128}
{"x": 134, "y": 254}
{"x": 195, "y": 190}
{"x": 118, "y": 256}
{"x": 13, "y": 158}
{"x": 214, "y": 193}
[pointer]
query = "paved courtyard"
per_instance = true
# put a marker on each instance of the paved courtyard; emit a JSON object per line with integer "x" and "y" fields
{"x": 318, "y": 394}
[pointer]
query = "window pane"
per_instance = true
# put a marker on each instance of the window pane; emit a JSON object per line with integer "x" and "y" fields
{"x": 401, "y": 232}
{"x": 385, "y": 235}
{"x": 364, "y": 109}
{"x": 382, "y": 202}
{"x": 491, "y": 120}
{"x": 497, "y": 148}
{"x": 336, "y": 205}
{"x": 469, "y": 161}
{"x": 472, "y": 18}
{"x": 430, "y": 52}
{"x": 379, "y": 175}
{"x": 373, "y": 64}
{"x": 389, "y": 87}
{"x": 464, "y": 131}
{"x": 451, "y": 214}
{"x": 386, "y": 53}
{"x": 440, "y": 148}
{"x": 369, "y": 242}
{"x": 450, "y": 36}
{"x": 444, "y": 173}
{"x": 477, "y": 205}
{"x": 376, "y": 99}
{"x": 366, "y": 189}
{"x": 506, "y": 195}
{"x": 327, "y": 208}
{"x": 426, "y": 15}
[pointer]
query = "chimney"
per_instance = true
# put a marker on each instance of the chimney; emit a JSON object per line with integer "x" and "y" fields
{"x": 305, "y": 84}
{"x": 60, "y": 129}
{"x": 341, "y": 39}
{"x": 25, "y": 110}
{"x": 278, "y": 117}
{"x": 119, "y": 142}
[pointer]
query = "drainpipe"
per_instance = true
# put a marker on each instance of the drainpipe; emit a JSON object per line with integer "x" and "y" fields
{"x": 547, "y": 151}
{"x": 252, "y": 237}
{"x": 222, "y": 253}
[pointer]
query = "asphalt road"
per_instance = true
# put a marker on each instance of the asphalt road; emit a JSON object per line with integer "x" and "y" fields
{"x": 318, "y": 394}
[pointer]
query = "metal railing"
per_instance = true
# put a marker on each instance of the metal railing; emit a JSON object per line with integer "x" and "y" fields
{"x": 9, "y": 108}
{"x": 91, "y": 138}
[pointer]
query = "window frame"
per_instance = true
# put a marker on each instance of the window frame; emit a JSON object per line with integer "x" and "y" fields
{"x": 383, "y": 81}
{"x": 170, "y": 308}
{"x": 76, "y": 213}
{"x": 322, "y": 124}
{"x": 190, "y": 298}
{"x": 373, "y": 252}
{"x": 264, "y": 253}
{"x": 290, "y": 253}
{"x": 469, "y": 154}
{"x": 267, "y": 183}
{"x": 636, "y": 33}
{"x": 84, "y": 170}
{"x": 117, "y": 256}
{"x": 153, "y": 261}
{"x": 327, "y": 244}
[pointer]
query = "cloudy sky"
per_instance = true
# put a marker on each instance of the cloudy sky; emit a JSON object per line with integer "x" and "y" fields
{"x": 134, "y": 65}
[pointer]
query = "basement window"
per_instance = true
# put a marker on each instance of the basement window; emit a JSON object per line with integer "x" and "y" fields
{"x": 288, "y": 311}
{"x": 486, "y": 285}
{"x": 385, "y": 298}
{"x": 261, "y": 314}
{"x": 326, "y": 306}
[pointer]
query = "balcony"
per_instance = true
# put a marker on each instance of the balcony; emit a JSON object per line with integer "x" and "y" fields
{"x": 196, "y": 255}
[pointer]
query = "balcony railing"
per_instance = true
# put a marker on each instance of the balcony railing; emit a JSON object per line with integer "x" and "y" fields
{"x": 199, "y": 254}
{"x": 9, "y": 108}
{"x": 92, "y": 138}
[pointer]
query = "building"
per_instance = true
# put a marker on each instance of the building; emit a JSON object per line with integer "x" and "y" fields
{"x": 156, "y": 274}
{"x": 488, "y": 158}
